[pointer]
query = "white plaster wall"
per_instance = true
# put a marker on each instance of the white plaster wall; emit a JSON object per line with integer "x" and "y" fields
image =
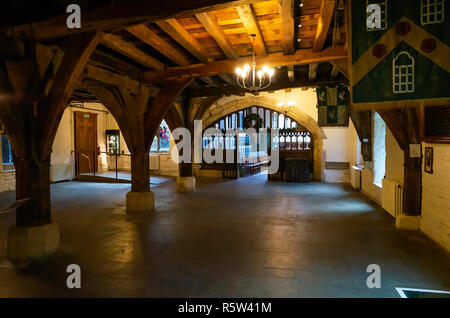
{"x": 435, "y": 220}
{"x": 63, "y": 145}
{"x": 7, "y": 180}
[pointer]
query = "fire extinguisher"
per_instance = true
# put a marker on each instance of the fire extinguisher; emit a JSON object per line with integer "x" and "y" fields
{"x": 98, "y": 150}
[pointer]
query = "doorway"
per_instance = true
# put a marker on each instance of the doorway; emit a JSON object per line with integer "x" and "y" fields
{"x": 85, "y": 127}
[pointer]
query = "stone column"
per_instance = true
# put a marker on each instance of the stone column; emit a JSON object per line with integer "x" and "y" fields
{"x": 186, "y": 180}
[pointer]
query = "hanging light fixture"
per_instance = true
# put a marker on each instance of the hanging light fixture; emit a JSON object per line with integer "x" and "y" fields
{"x": 286, "y": 106}
{"x": 250, "y": 78}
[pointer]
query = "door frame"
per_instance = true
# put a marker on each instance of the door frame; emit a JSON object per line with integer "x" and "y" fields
{"x": 75, "y": 113}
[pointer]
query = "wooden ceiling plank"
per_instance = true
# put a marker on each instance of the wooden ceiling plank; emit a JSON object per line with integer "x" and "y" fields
{"x": 209, "y": 22}
{"x": 117, "y": 44}
{"x": 173, "y": 28}
{"x": 323, "y": 24}
{"x": 248, "y": 18}
{"x": 286, "y": 9}
{"x": 301, "y": 57}
{"x": 119, "y": 16}
{"x": 149, "y": 37}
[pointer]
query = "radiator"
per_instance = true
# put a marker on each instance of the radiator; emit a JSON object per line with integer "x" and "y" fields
{"x": 392, "y": 197}
{"x": 355, "y": 177}
{"x": 61, "y": 172}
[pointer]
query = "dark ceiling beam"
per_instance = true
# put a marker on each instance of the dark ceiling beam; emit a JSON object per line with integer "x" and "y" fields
{"x": 300, "y": 57}
{"x": 150, "y": 37}
{"x": 323, "y": 24}
{"x": 236, "y": 90}
{"x": 248, "y": 18}
{"x": 286, "y": 9}
{"x": 173, "y": 28}
{"x": 107, "y": 77}
{"x": 312, "y": 72}
{"x": 209, "y": 22}
{"x": 117, "y": 44}
{"x": 119, "y": 16}
{"x": 291, "y": 73}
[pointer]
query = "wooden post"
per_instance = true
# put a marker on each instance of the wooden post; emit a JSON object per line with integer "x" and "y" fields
{"x": 140, "y": 170}
{"x": 404, "y": 125}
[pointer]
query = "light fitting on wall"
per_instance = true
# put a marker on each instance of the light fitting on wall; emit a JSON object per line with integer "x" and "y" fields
{"x": 286, "y": 106}
{"x": 250, "y": 78}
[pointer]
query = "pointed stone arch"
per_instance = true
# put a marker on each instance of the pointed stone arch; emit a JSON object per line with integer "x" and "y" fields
{"x": 218, "y": 110}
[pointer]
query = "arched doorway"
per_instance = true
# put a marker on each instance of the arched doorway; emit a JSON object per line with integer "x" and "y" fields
{"x": 218, "y": 110}
{"x": 293, "y": 141}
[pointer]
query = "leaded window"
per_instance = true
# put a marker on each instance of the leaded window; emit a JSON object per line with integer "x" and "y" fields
{"x": 431, "y": 11}
{"x": 403, "y": 73}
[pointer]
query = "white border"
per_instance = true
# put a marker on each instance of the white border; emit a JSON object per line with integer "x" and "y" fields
{"x": 403, "y": 295}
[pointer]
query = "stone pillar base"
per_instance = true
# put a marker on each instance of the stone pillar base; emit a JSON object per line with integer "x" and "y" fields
{"x": 407, "y": 222}
{"x": 185, "y": 184}
{"x": 32, "y": 243}
{"x": 140, "y": 202}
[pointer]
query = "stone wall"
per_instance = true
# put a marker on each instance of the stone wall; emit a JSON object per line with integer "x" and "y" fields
{"x": 7, "y": 180}
{"x": 435, "y": 220}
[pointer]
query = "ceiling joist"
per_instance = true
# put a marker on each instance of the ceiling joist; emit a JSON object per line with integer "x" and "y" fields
{"x": 173, "y": 28}
{"x": 117, "y": 44}
{"x": 209, "y": 22}
{"x": 286, "y": 9}
{"x": 325, "y": 17}
{"x": 149, "y": 37}
{"x": 301, "y": 57}
{"x": 236, "y": 90}
{"x": 248, "y": 18}
{"x": 119, "y": 16}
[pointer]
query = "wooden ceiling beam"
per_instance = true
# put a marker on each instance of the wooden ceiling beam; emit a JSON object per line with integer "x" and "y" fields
{"x": 312, "y": 72}
{"x": 342, "y": 66}
{"x": 108, "y": 77}
{"x": 301, "y": 57}
{"x": 236, "y": 90}
{"x": 117, "y": 44}
{"x": 248, "y": 18}
{"x": 209, "y": 22}
{"x": 323, "y": 24}
{"x": 209, "y": 81}
{"x": 119, "y": 16}
{"x": 149, "y": 37}
{"x": 291, "y": 73}
{"x": 227, "y": 78}
{"x": 173, "y": 28}
{"x": 286, "y": 9}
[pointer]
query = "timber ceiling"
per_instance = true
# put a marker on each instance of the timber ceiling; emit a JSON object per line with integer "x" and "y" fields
{"x": 168, "y": 48}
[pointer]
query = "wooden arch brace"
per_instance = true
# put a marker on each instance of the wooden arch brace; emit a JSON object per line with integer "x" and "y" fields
{"x": 40, "y": 91}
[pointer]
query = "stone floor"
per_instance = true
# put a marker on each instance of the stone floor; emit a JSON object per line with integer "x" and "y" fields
{"x": 231, "y": 238}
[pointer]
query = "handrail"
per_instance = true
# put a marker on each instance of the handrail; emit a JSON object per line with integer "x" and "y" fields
{"x": 89, "y": 160}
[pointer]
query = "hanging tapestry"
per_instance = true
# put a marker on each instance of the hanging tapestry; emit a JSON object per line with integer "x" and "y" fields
{"x": 332, "y": 106}
{"x": 399, "y": 53}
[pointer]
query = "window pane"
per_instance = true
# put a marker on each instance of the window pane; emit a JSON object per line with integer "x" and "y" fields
{"x": 6, "y": 150}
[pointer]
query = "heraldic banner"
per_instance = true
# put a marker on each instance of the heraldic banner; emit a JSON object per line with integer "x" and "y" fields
{"x": 399, "y": 53}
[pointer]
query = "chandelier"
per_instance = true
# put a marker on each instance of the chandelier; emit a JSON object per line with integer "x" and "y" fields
{"x": 250, "y": 78}
{"x": 286, "y": 106}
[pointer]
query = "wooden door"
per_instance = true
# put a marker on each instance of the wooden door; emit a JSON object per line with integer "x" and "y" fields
{"x": 85, "y": 142}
